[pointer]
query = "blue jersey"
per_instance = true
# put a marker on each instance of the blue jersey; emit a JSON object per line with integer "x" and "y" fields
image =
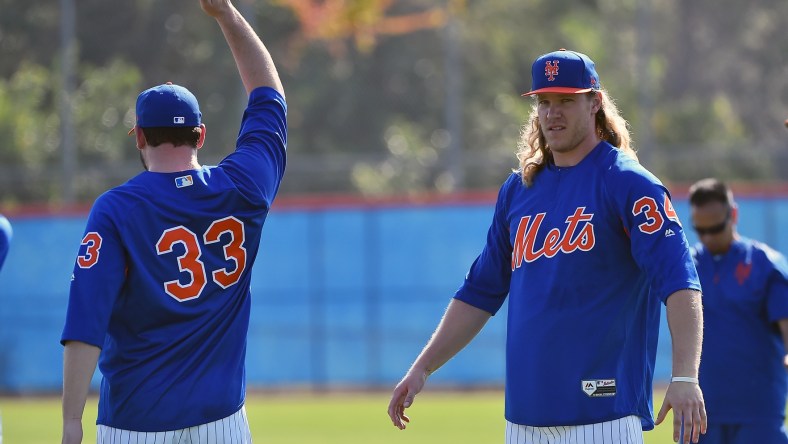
{"x": 5, "y": 238}
{"x": 745, "y": 292}
{"x": 586, "y": 255}
{"x": 162, "y": 281}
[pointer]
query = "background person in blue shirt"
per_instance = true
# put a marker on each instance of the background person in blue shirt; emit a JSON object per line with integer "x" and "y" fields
{"x": 745, "y": 309}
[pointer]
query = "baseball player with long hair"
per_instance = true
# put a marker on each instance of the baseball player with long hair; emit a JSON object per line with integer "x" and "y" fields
{"x": 160, "y": 295}
{"x": 585, "y": 243}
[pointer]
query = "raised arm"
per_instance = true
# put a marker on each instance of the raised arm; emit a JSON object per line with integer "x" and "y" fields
{"x": 255, "y": 64}
{"x": 461, "y": 323}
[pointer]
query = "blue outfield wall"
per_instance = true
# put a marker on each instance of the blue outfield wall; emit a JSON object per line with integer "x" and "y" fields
{"x": 342, "y": 297}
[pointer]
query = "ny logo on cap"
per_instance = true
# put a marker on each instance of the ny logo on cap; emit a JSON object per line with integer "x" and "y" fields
{"x": 179, "y": 120}
{"x": 551, "y": 70}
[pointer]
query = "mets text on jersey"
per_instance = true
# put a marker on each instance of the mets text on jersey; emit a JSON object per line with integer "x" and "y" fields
{"x": 555, "y": 241}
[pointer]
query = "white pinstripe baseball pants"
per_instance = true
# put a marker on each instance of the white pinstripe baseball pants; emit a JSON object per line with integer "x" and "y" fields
{"x": 233, "y": 429}
{"x": 626, "y": 430}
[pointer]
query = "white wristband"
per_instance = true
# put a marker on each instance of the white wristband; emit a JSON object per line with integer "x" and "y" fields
{"x": 684, "y": 379}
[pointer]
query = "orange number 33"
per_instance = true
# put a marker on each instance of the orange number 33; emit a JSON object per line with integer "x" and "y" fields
{"x": 189, "y": 262}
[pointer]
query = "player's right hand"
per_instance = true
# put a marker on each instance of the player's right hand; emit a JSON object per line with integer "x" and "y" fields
{"x": 72, "y": 431}
{"x": 215, "y": 8}
{"x": 403, "y": 396}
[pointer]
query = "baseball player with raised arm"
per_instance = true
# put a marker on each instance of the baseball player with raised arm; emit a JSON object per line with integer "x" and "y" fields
{"x": 160, "y": 295}
{"x": 586, "y": 244}
{"x": 745, "y": 306}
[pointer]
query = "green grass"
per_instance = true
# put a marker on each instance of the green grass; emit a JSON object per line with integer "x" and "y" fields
{"x": 334, "y": 418}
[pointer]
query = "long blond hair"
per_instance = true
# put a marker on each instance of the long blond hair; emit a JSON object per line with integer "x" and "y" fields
{"x": 532, "y": 149}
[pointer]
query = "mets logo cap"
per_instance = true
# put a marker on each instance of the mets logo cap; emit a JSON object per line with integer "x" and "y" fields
{"x": 167, "y": 105}
{"x": 563, "y": 71}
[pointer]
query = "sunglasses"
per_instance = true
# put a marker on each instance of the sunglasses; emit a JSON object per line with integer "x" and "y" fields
{"x": 714, "y": 229}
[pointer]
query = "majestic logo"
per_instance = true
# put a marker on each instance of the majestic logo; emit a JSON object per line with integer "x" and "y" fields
{"x": 579, "y": 235}
{"x": 599, "y": 387}
{"x": 551, "y": 70}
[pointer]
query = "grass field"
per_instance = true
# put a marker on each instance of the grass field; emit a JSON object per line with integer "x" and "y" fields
{"x": 334, "y": 418}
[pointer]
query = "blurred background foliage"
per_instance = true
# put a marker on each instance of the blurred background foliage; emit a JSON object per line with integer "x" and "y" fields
{"x": 389, "y": 96}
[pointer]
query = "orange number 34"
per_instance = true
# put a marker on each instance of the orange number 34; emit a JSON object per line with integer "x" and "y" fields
{"x": 654, "y": 220}
{"x": 189, "y": 262}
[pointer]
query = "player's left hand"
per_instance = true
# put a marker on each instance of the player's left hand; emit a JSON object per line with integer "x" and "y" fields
{"x": 686, "y": 400}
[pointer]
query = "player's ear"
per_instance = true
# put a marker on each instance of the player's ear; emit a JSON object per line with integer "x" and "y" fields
{"x": 140, "y": 138}
{"x": 201, "y": 140}
{"x": 596, "y": 102}
{"x": 734, "y": 214}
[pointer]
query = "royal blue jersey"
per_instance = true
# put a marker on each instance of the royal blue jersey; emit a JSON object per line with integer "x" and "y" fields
{"x": 586, "y": 255}
{"x": 745, "y": 293}
{"x": 162, "y": 281}
{"x": 6, "y": 233}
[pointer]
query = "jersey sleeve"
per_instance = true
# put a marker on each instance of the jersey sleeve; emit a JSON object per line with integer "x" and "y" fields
{"x": 99, "y": 273}
{"x": 487, "y": 282}
{"x": 658, "y": 243}
{"x": 258, "y": 163}
{"x": 6, "y": 233}
{"x": 777, "y": 287}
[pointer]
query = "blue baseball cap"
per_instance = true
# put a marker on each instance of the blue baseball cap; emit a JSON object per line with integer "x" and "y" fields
{"x": 167, "y": 105}
{"x": 562, "y": 71}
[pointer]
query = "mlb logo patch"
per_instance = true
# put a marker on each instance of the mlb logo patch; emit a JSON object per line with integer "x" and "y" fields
{"x": 179, "y": 120}
{"x": 184, "y": 181}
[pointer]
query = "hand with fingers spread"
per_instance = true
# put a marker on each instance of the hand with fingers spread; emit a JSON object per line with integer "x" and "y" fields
{"x": 689, "y": 411}
{"x": 403, "y": 396}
